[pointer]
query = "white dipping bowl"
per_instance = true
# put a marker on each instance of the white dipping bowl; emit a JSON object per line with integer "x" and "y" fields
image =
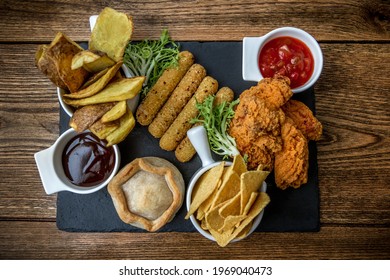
{"x": 51, "y": 171}
{"x": 252, "y": 47}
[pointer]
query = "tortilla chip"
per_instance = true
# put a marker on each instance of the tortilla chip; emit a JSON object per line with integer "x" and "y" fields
{"x": 251, "y": 181}
{"x": 250, "y": 202}
{"x": 260, "y": 203}
{"x": 229, "y": 188}
{"x": 230, "y": 222}
{"x": 232, "y": 207}
{"x": 204, "y": 187}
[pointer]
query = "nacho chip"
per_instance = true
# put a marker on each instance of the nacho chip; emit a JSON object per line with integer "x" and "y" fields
{"x": 260, "y": 203}
{"x": 230, "y": 222}
{"x": 251, "y": 181}
{"x": 250, "y": 202}
{"x": 229, "y": 188}
{"x": 232, "y": 207}
{"x": 204, "y": 187}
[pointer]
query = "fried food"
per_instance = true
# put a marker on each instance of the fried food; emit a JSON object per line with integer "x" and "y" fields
{"x": 304, "y": 119}
{"x": 98, "y": 85}
{"x": 55, "y": 61}
{"x": 291, "y": 163}
{"x": 185, "y": 151}
{"x": 274, "y": 91}
{"x": 163, "y": 88}
{"x": 176, "y": 102}
{"x": 225, "y": 200}
{"x": 178, "y": 129}
{"x": 116, "y": 91}
{"x": 111, "y": 33}
{"x": 85, "y": 116}
{"x": 126, "y": 125}
{"x": 115, "y": 112}
{"x": 257, "y": 122}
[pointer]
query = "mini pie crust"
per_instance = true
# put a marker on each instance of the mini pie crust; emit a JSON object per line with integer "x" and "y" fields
{"x": 159, "y": 169}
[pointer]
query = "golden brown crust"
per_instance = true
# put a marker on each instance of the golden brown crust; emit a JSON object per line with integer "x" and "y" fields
{"x": 292, "y": 162}
{"x": 155, "y": 166}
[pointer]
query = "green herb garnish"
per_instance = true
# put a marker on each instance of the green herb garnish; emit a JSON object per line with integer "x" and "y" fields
{"x": 150, "y": 58}
{"x": 216, "y": 120}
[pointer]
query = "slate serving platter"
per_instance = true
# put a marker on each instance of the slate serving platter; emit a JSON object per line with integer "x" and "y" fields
{"x": 289, "y": 210}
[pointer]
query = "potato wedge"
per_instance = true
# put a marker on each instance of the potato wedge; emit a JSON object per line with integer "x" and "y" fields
{"x": 99, "y": 64}
{"x": 115, "y": 113}
{"x": 94, "y": 78}
{"x": 82, "y": 58}
{"x": 127, "y": 123}
{"x": 111, "y": 33}
{"x": 60, "y": 52}
{"x": 102, "y": 130}
{"x": 96, "y": 86}
{"x": 85, "y": 116}
{"x": 117, "y": 91}
{"x": 48, "y": 67}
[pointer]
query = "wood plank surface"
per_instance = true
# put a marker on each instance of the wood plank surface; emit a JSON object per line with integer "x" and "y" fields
{"x": 352, "y": 102}
{"x": 218, "y": 20}
{"x": 353, "y": 154}
{"x": 36, "y": 240}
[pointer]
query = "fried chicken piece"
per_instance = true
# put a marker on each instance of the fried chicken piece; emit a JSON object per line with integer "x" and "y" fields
{"x": 258, "y": 119}
{"x": 304, "y": 119}
{"x": 291, "y": 163}
{"x": 275, "y": 91}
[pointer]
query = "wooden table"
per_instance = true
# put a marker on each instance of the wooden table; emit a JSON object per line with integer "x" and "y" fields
{"x": 352, "y": 102}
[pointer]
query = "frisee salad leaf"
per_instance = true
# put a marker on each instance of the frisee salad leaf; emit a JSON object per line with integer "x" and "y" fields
{"x": 150, "y": 58}
{"x": 216, "y": 120}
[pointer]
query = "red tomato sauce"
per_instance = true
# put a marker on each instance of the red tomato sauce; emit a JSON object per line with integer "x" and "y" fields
{"x": 289, "y": 57}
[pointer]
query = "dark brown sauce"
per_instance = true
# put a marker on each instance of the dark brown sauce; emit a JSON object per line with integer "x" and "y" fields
{"x": 87, "y": 161}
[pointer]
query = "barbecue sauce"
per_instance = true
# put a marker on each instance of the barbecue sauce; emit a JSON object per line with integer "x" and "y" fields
{"x": 87, "y": 161}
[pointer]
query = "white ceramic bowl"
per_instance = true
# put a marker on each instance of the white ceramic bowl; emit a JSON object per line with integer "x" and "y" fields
{"x": 198, "y": 138}
{"x": 252, "y": 47}
{"x": 49, "y": 163}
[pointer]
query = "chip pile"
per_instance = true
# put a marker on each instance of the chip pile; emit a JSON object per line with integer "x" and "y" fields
{"x": 226, "y": 200}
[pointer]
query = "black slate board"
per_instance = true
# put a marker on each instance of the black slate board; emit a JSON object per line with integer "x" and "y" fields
{"x": 289, "y": 210}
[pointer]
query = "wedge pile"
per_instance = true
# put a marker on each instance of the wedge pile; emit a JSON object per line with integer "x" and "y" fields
{"x": 92, "y": 78}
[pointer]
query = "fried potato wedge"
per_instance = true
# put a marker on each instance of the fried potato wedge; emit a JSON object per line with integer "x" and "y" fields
{"x": 99, "y": 64}
{"x": 126, "y": 125}
{"x": 117, "y": 91}
{"x": 98, "y": 85}
{"x": 60, "y": 52}
{"x": 85, "y": 116}
{"x": 94, "y": 78}
{"x": 48, "y": 67}
{"x": 111, "y": 33}
{"x": 115, "y": 113}
{"x": 83, "y": 57}
{"x": 102, "y": 130}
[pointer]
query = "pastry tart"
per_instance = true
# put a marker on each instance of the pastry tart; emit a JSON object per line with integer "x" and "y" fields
{"x": 147, "y": 193}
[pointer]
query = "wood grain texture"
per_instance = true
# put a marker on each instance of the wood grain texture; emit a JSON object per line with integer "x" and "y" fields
{"x": 219, "y": 20}
{"x": 353, "y": 155}
{"x": 352, "y": 102}
{"x": 30, "y": 241}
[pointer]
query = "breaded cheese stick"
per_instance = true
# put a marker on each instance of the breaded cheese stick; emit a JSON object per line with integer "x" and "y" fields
{"x": 162, "y": 89}
{"x": 178, "y": 129}
{"x": 179, "y": 98}
{"x": 185, "y": 151}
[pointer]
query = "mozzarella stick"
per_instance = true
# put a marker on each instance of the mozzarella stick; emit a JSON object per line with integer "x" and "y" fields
{"x": 163, "y": 88}
{"x": 178, "y": 129}
{"x": 185, "y": 151}
{"x": 179, "y": 98}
